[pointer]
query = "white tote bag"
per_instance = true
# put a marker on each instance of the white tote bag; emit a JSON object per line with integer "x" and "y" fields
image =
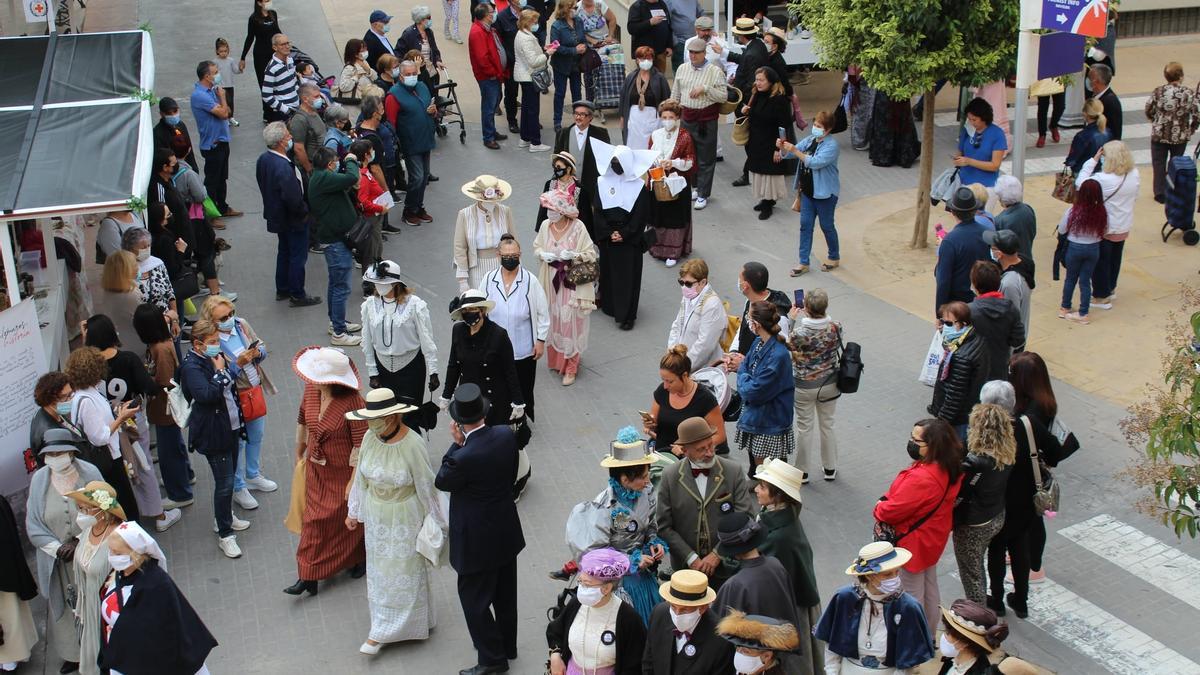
{"x": 178, "y": 405}
{"x": 933, "y": 360}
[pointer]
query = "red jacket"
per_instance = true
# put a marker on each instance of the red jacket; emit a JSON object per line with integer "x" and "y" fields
{"x": 368, "y": 190}
{"x": 485, "y": 55}
{"x": 911, "y": 497}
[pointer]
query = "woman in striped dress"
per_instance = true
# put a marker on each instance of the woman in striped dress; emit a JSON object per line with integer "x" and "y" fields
{"x": 328, "y": 443}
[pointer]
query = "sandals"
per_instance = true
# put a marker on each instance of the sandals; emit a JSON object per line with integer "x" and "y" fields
{"x": 830, "y": 265}
{"x": 825, "y": 267}
{"x": 798, "y": 270}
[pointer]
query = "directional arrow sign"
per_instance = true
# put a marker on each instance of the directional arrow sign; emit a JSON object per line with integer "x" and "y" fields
{"x": 1082, "y": 17}
{"x": 1061, "y": 18}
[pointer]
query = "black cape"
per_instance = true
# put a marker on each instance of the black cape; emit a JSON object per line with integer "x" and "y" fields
{"x": 14, "y": 571}
{"x": 158, "y": 632}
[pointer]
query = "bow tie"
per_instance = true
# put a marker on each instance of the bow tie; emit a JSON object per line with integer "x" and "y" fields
{"x": 696, "y": 472}
{"x": 687, "y": 635}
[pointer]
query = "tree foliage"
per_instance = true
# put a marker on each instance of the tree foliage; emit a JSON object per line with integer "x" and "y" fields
{"x": 905, "y": 46}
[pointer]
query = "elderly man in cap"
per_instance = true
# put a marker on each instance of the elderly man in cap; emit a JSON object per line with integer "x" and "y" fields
{"x": 376, "y": 38}
{"x": 959, "y": 251}
{"x": 700, "y": 89}
{"x": 715, "y": 49}
{"x": 485, "y": 531}
{"x": 693, "y": 494}
{"x": 681, "y": 638}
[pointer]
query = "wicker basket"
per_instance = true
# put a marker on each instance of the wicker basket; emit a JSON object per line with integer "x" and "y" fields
{"x": 662, "y": 192}
{"x": 731, "y": 105}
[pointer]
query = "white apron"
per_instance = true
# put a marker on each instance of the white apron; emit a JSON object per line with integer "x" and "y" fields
{"x": 641, "y": 124}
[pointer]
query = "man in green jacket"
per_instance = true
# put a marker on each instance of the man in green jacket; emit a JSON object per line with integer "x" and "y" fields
{"x": 332, "y": 205}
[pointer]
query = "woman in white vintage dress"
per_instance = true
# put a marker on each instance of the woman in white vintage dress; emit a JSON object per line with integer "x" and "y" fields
{"x": 561, "y": 240}
{"x": 392, "y": 495}
{"x": 99, "y": 515}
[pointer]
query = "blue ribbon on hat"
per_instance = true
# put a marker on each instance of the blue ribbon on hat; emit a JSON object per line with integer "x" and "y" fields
{"x": 863, "y": 566}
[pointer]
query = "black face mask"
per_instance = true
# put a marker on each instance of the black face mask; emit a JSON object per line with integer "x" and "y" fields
{"x": 471, "y": 318}
{"x": 510, "y": 263}
{"x": 560, "y": 171}
{"x": 914, "y": 450}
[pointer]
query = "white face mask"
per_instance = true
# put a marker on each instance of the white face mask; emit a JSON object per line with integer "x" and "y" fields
{"x": 685, "y": 623}
{"x": 889, "y": 586}
{"x": 364, "y": 55}
{"x": 745, "y": 664}
{"x": 553, "y": 216}
{"x": 645, "y": 64}
{"x": 383, "y": 289}
{"x": 143, "y": 255}
{"x": 120, "y": 563}
{"x": 59, "y": 463}
{"x": 947, "y": 648}
{"x": 85, "y": 521}
{"x": 589, "y": 595}
{"x": 670, "y": 125}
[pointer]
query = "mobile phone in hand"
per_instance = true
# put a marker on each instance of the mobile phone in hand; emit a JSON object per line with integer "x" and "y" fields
{"x": 798, "y": 296}
{"x": 254, "y": 345}
{"x": 783, "y": 133}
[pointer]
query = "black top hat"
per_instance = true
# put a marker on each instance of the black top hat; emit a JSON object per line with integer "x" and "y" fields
{"x": 469, "y": 404}
{"x": 1005, "y": 241}
{"x": 738, "y": 533}
{"x": 963, "y": 201}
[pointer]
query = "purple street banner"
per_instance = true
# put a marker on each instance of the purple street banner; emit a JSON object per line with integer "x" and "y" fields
{"x": 1082, "y": 17}
{"x": 1059, "y": 54}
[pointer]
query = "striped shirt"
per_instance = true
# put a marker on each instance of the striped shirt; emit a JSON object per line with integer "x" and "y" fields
{"x": 688, "y": 77}
{"x": 280, "y": 90}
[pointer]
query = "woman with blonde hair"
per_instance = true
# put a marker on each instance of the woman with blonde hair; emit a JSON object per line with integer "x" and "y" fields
{"x": 572, "y": 43}
{"x": 1113, "y": 168}
{"x": 119, "y": 296}
{"x": 1089, "y": 139}
{"x": 529, "y": 58}
{"x": 979, "y": 513}
{"x": 701, "y": 320}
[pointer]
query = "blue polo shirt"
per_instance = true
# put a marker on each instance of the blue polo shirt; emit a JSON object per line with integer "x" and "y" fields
{"x": 992, "y": 138}
{"x": 212, "y": 129}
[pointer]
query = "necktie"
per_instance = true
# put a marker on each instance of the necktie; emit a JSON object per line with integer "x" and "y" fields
{"x": 696, "y": 472}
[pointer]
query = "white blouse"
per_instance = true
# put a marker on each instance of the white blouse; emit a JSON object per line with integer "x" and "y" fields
{"x": 663, "y": 142}
{"x": 586, "y": 637}
{"x": 93, "y": 418}
{"x": 393, "y": 334}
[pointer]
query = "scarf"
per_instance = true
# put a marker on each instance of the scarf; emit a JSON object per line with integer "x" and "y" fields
{"x": 641, "y": 86}
{"x": 951, "y": 347}
{"x": 624, "y": 495}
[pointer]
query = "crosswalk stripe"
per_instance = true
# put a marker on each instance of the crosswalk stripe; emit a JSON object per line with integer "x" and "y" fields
{"x": 1128, "y": 132}
{"x": 1143, "y": 556}
{"x": 1044, "y": 165}
{"x": 1129, "y": 104}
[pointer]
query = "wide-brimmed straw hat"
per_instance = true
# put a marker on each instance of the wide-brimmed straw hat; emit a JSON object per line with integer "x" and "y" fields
{"x": 325, "y": 365}
{"x": 976, "y": 623}
{"x": 472, "y": 298}
{"x": 687, "y": 588}
{"x": 380, "y": 403}
{"x": 876, "y": 557}
{"x": 759, "y": 632}
{"x": 487, "y": 188}
{"x": 745, "y": 26}
{"x": 783, "y": 476}
{"x": 628, "y": 450}
{"x": 693, "y": 430}
{"x": 99, "y": 495}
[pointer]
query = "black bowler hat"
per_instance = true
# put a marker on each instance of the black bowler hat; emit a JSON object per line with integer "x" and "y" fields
{"x": 963, "y": 201}
{"x": 469, "y": 405}
{"x": 738, "y": 533}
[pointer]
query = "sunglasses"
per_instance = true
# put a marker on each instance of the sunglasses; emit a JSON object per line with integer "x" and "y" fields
{"x": 977, "y": 139}
{"x": 687, "y": 284}
{"x": 227, "y": 317}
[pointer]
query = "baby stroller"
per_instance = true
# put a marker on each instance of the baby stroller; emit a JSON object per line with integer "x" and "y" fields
{"x": 300, "y": 58}
{"x": 1181, "y": 196}
{"x": 449, "y": 111}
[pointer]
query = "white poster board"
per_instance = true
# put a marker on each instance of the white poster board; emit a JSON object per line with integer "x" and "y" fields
{"x": 22, "y": 362}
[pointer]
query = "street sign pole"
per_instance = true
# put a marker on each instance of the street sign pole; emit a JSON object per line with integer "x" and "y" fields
{"x": 1026, "y": 74}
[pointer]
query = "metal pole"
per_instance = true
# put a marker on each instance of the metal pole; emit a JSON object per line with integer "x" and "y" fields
{"x": 1026, "y": 72}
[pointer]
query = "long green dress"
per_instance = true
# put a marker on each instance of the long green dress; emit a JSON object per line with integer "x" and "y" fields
{"x": 788, "y": 544}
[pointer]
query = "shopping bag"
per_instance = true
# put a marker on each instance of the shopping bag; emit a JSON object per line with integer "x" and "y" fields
{"x": 944, "y": 186}
{"x": 295, "y": 514}
{"x": 1064, "y": 186}
{"x": 933, "y": 360}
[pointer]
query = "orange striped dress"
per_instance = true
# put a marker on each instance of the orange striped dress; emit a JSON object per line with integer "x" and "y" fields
{"x": 326, "y": 546}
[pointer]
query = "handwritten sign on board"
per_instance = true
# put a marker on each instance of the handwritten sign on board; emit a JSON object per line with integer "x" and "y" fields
{"x": 22, "y": 362}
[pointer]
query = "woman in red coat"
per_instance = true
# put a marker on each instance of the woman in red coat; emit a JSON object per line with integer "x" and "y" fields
{"x": 919, "y": 507}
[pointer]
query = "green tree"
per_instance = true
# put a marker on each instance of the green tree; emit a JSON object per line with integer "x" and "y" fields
{"x": 905, "y": 46}
{"x": 1165, "y": 427}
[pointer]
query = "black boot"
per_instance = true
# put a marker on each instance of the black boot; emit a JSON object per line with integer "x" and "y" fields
{"x": 996, "y": 605}
{"x": 358, "y": 570}
{"x": 759, "y": 206}
{"x": 300, "y": 586}
{"x": 742, "y": 181}
{"x": 766, "y": 210}
{"x": 1020, "y": 609}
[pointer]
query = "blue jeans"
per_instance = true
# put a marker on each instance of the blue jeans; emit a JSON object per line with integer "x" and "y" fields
{"x": 1081, "y": 262}
{"x": 339, "y": 262}
{"x": 223, "y": 464}
{"x": 812, "y": 210}
{"x": 418, "y": 178}
{"x": 530, "y": 104}
{"x": 489, "y": 98}
{"x": 289, "y": 262}
{"x": 560, "y": 92}
{"x": 173, "y": 462}
{"x": 250, "y": 450}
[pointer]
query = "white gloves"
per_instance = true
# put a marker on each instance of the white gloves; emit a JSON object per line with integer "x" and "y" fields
{"x": 548, "y": 256}
{"x": 518, "y": 411}
{"x": 569, "y": 255}
{"x": 443, "y": 402}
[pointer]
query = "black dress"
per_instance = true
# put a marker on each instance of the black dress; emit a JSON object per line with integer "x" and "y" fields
{"x": 485, "y": 359}
{"x": 259, "y": 31}
{"x": 621, "y": 263}
{"x": 893, "y": 134}
{"x": 767, "y": 115}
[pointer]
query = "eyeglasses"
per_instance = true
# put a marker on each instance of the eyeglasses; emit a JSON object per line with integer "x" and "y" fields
{"x": 916, "y": 440}
{"x": 687, "y": 284}
{"x": 583, "y": 114}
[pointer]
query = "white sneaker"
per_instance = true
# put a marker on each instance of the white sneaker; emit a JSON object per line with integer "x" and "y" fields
{"x": 1102, "y": 305}
{"x": 172, "y": 517}
{"x": 351, "y": 327}
{"x": 671, "y": 262}
{"x": 524, "y": 144}
{"x": 233, "y": 122}
{"x": 345, "y": 340}
{"x": 244, "y": 499}
{"x": 539, "y": 148}
{"x": 172, "y": 504}
{"x": 369, "y": 649}
{"x": 237, "y": 525}
{"x": 229, "y": 546}
{"x": 262, "y": 484}
{"x": 701, "y": 202}
{"x": 695, "y": 196}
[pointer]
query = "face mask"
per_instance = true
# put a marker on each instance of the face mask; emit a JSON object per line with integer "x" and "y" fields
{"x": 914, "y": 450}
{"x": 947, "y": 648}
{"x": 266, "y": 5}
{"x": 378, "y": 425}
{"x": 290, "y": 144}
{"x": 645, "y": 64}
{"x": 143, "y": 255}
{"x": 226, "y": 325}
{"x": 318, "y": 103}
{"x": 58, "y": 463}
{"x": 744, "y": 663}
{"x": 216, "y": 79}
{"x": 560, "y": 171}
{"x": 818, "y": 132}
{"x": 410, "y": 80}
{"x": 589, "y": 595}
{"x": 387, "y": 28}
{"x": 689, "y": 293}
{"x": 396, "y": 72}
{"x": 212, "y": 350}
{"x": 950, "y": 333}
{"x": 670, "y": 125}
{"x": 889, "y": 586}
{"x": 364, "y": 55}
{"x": 120, "y": 563}
{"x": 85, "y": 521}
{"x": 684, "y": 623}
{"x": 553, "y": 216}
{"x": 383, "y": 289}
{"x": 173, "y": 120}
{"x": 510, "y": 263}
{"x": 471, "y": 318}
{"x": 63, "y": 409}
{"x": 535, "y": 26}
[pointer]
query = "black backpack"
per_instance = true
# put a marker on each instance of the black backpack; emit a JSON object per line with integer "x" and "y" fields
{"x": 850, "y": 368}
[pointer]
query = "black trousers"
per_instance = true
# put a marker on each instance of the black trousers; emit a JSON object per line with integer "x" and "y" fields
{"x": 1014, "y": 541}
{"x": 511, "y": 91}
{"x": 489, "y": 603}
{"x": 526, "y": 375}
{"x": 216, "y": 173}
{"x": 1043, "y": 105}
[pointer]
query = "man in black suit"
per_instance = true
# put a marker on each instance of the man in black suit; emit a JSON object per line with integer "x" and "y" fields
{"x": 574, "y": 139}
{"x": 1100, "y": 77}
{"x": 485, "y": 531}
{"x": 286, "y": 212}
{"x": 506, "y": 27}
{"x": 754, "y": 56}
{"x": 681, "y": 638}
{"x": 376, "y": 38}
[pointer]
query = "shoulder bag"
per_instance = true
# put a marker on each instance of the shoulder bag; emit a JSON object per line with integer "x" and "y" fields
{"x": 1064, "y": 186}
{"x": 1046, "y": 490}
{"x": 542, "y": 79}
{"x": 885, "y": 531}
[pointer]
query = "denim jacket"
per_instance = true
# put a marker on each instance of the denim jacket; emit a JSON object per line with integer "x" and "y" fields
{"x": 767, "y": 388}
{"x": 824, "y": 167}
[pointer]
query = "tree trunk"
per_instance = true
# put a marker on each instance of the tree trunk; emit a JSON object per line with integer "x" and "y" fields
{"x": 920, "y": 237}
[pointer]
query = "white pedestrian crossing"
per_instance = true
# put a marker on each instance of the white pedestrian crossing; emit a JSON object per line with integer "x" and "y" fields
{"x": 1041, "y": 165}
{"x": 1129, "y": 105}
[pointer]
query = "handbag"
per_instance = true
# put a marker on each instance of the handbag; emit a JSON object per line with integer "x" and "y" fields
{"x": 590, "y": 60}
{"x": 542, "y": 79}
{"x": 741, "y": 131}
{"x": 944, "y": 186}
{"x": 210, "y": 208}
{"x": 580, "y": 272}
{"x": 186, "y": 284}
{"x": 733, "y": 99}
{"x": 254, "y": 402}
{"x": 358, "y": 237}
{"x": 295, "y": 515}
{"x": 178, "y": 405}
{"x": 1046, "y": 490}
{"x": 840, "y": 121}
{"x": 885, "y": 532}
{"x": 1064, "y": 186}
{"x": 662, "y": 191}
{"x": 933, "y": 359}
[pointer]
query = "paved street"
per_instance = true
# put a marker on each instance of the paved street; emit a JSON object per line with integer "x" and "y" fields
{"x": 1121, "y": 595}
